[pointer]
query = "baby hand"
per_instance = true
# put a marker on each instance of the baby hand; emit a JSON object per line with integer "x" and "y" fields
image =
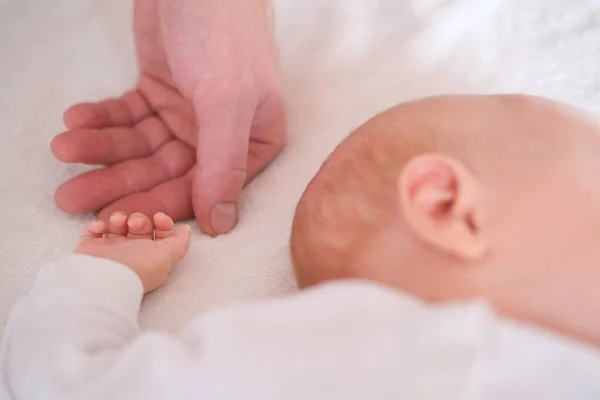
{"x": 148, "y": 249}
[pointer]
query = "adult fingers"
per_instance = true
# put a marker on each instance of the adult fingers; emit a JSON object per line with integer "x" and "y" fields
{"x": 173, "y": 197}
{"x": 221, "y": 157}
{"x": 126, "y": 110}
{"x": 110, "y": 145}
{"x": 97, "y": 188}
{"x": 268, "y": 135}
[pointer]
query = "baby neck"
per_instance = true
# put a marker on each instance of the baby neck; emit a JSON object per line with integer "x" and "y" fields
{"x": 569, "y": 311}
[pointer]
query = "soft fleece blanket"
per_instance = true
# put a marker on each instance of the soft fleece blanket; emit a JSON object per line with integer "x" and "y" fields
{"x": 343, "y": 61}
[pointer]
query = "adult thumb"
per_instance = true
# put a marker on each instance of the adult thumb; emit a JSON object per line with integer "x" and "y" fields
{"x": 221, "y": 169}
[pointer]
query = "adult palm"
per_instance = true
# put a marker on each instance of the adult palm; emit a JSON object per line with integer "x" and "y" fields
{"x": 205, "y": 117}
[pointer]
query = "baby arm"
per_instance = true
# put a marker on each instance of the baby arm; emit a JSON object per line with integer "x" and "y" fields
{"x": 76, "y": 333}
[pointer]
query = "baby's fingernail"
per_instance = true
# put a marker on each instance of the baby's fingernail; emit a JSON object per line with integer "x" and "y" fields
{"x": 135, "y": 219}
{"x": 92, "y": 225}
{"x": 223, "y": 217}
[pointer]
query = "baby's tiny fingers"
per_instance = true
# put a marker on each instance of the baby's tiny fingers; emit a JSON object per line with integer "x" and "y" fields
{"x": 94, "y": 230}
{"x": 164, "y": 226}
{"x": 178, "y": 244}
{"x": 117, "y": 224}
{"x": 140, "y": 227}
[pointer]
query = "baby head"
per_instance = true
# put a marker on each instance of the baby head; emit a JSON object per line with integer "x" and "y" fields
{"x": 460, "y": 197}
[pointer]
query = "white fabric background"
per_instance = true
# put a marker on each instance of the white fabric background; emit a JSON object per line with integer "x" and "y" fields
{"x": 343, "y": 61}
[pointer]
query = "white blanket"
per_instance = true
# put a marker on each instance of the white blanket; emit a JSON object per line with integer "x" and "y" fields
{"x": 343, "y": 61}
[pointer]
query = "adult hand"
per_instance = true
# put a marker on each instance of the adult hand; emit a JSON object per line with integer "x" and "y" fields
{"x": 206, "y": 117}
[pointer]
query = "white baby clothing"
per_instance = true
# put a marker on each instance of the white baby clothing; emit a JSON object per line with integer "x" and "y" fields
{"x": 76, "y": 336}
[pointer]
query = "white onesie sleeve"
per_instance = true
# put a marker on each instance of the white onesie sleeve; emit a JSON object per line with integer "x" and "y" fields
{"x": 76, "y": 336}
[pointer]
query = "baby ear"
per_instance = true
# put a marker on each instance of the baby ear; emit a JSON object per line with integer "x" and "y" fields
{"x": 440, "y": 201}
